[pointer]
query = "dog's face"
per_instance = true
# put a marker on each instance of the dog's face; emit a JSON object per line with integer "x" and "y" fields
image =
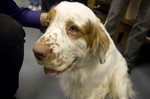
{"x": 73, "y": 32}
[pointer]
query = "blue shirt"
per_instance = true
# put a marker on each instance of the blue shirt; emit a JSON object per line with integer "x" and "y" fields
{"x": 25, "y": 16}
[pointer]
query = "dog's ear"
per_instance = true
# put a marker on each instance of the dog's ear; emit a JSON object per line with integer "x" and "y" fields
{"x": 101, "y": 42}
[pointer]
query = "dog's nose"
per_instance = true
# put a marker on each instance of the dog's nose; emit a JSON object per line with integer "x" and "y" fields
{"x": 40, "y": 51}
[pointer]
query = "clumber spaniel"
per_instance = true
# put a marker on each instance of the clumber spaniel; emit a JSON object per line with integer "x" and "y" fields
{"x": 77, "y": 49}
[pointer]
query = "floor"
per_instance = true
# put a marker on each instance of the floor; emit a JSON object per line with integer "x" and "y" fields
{"x": 34, "y": 84}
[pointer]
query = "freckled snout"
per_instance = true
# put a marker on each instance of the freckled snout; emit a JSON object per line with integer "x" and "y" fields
{"x": 40, "y": 51}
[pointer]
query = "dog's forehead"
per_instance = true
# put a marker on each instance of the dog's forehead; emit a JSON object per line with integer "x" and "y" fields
{"x": 75, "y": 11}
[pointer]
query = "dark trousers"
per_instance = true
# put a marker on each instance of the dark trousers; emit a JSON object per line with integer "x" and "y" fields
{"x": 11, "y": 55}
{"x": 139, "y": 30}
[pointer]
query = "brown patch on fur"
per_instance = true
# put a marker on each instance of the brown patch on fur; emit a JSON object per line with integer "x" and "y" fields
{"x": 53, "y": 56}
{"x": 93, "y": 34}
{"x": 51, "y": 15}
{"x": 96, "y": 38}
{"x": 70, "y": 23}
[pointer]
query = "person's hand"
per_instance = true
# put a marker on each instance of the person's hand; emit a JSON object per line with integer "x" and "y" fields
{"x": 43, "y": 19}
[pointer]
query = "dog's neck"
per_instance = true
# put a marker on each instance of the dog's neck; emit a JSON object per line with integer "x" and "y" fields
{"x": 84, "y": 73}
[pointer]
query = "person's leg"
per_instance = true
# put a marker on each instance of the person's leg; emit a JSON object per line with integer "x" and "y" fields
{"x": 47, "y": 4}
{"x": 138, "y": 32}
{"x": 36, "y": 3}
{"x": 30, "y": 4}
{"x": 11, "y": 55}
{"x": 117, "y": 10}
{"x": 44, "y": 6}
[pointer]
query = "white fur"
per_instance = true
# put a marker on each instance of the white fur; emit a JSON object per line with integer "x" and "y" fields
{"x": 88, "y": 79}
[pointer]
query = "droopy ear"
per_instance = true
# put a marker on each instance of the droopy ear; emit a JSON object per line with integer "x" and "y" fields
{"x": 100, "y": 42}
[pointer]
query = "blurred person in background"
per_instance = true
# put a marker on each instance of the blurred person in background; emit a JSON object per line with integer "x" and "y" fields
{"x": 138, "y": 32}
{"x": 34, "y": 5}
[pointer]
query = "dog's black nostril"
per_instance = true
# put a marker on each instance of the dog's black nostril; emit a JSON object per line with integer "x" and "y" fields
{"x": 39, "y": 56}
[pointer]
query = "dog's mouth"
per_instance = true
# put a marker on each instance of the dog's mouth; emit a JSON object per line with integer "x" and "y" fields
{"x": 53, "y": 72}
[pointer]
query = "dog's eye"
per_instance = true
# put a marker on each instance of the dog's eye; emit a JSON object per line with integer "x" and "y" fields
{"x": 73, "y": 30}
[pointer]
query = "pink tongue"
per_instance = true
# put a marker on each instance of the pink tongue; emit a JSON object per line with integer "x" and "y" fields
{"x": 50, "y": 72}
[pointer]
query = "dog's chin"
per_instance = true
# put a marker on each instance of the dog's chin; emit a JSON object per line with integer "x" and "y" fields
{"x": 56, "y": 73}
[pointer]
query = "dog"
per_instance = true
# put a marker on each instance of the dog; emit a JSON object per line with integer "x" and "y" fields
{"x": 78, "y": 50}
